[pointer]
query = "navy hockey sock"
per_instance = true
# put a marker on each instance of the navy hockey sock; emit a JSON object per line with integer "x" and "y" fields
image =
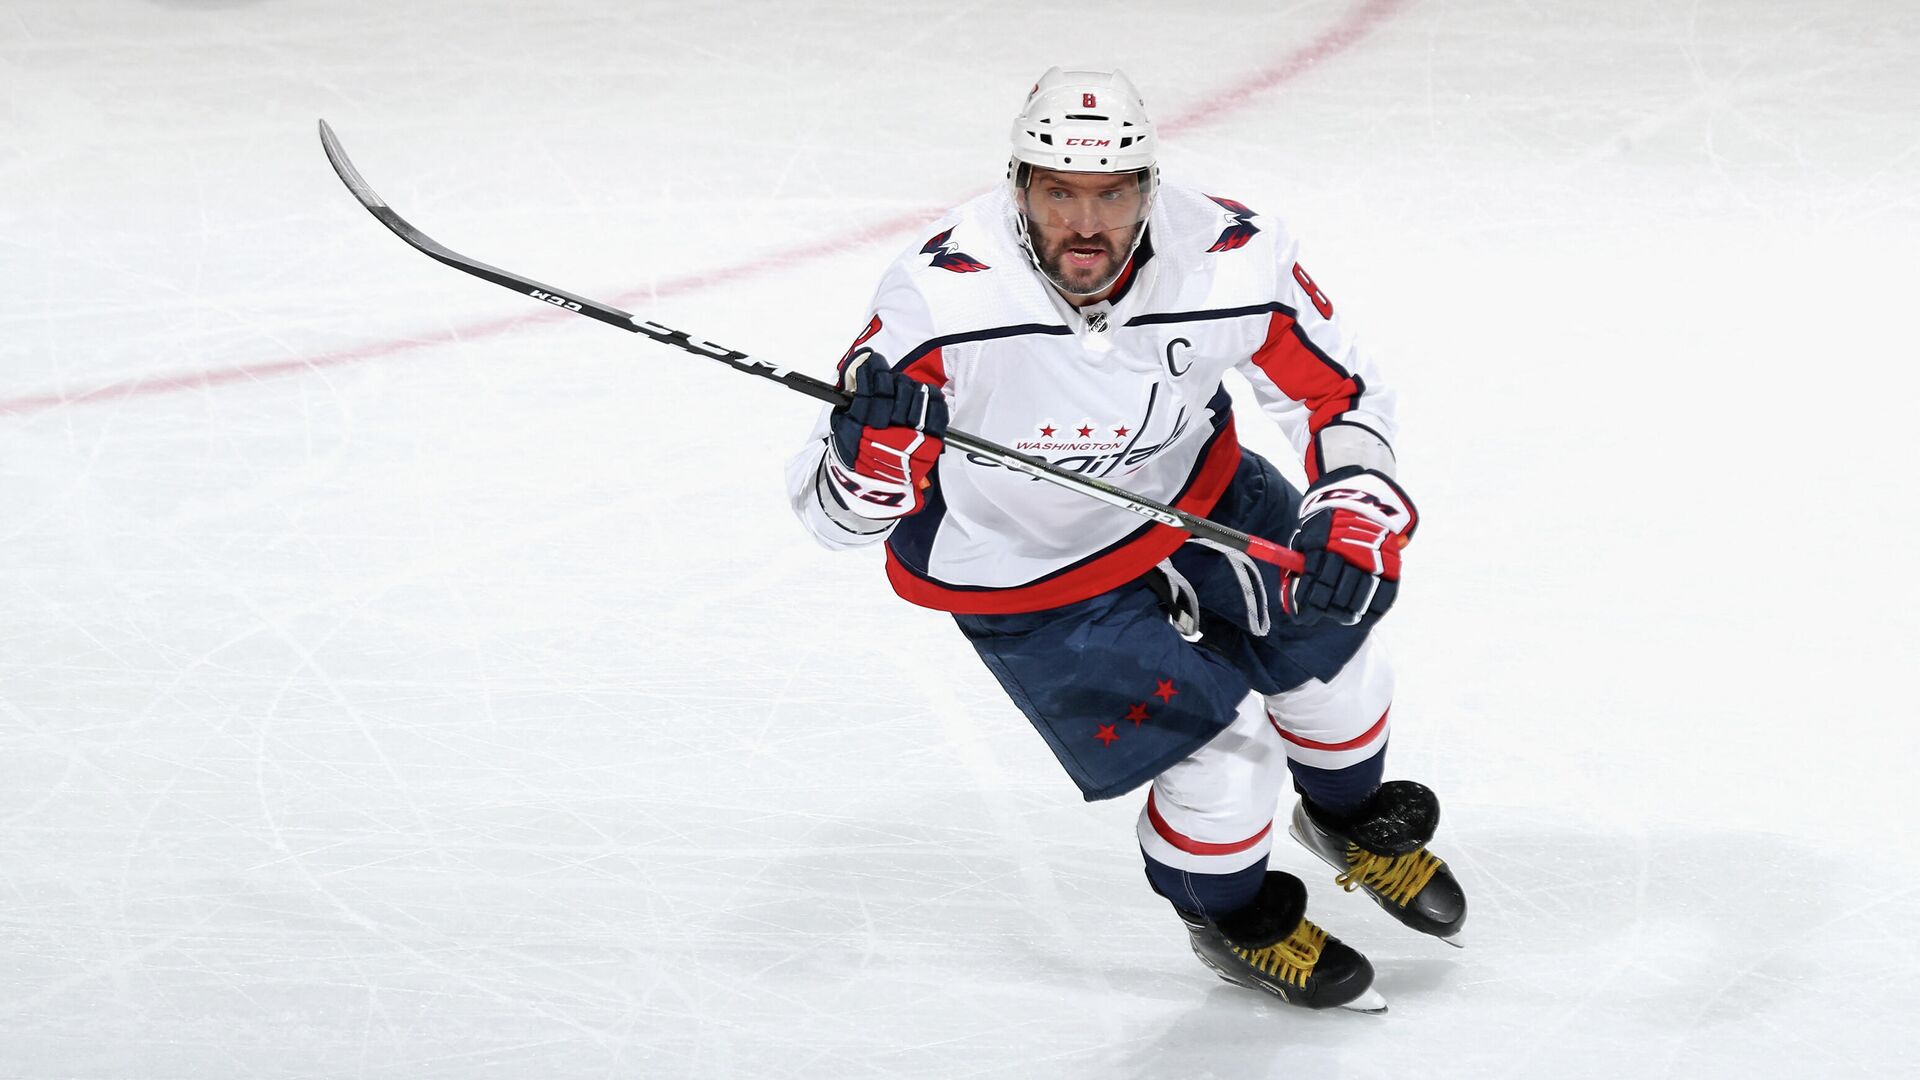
{"x": 1211, "y": 895}
{"x": 1339, "y": 792}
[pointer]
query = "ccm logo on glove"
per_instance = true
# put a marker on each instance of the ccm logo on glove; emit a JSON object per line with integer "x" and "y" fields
{"x": 886, "y": 440}
{"x": 1353, "y": 523}
{"x": 1356, "y": 496}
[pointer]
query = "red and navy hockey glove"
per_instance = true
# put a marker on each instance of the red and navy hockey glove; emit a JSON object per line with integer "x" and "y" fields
{"x": 1353, "y": 523}
{"x": 886, "y": 441}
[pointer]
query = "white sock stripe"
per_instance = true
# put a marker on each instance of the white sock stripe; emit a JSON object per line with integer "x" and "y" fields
{"x": 1334, "y": 713}
{"x": 1161, "y": 850}
{"x": 1222, "y": 795}
{"x": 1333, "y": 760}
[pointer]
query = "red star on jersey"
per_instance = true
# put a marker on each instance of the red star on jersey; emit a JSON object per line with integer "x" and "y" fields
{"x": 1086, "y": 431}
{"x": 1106, "y": 735}
{"x": 1119, "y": 433}
{"x": 1047, "y": 432}
{"x": 1137, "y": 713}
{"x": 1165, "y": 690}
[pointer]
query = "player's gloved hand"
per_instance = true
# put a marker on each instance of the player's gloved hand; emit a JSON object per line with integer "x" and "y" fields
{"x": 885, "y": 441}
{"x": 1353, "y": 523}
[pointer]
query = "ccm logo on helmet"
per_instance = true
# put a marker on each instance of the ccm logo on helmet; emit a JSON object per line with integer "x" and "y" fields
{"x": 1089, "y": 142}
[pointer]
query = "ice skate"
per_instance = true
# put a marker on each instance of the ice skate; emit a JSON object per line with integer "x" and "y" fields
{"x": 1270, "y": 946}
{"x": 1382, "y": 848}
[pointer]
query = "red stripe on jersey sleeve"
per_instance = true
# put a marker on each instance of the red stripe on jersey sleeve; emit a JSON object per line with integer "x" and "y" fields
{"x": 1303, "y": 374}
{"x": 930, "y": 369}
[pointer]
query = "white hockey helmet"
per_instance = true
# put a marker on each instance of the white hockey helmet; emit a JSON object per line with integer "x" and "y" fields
{"x": 1083, "y": 121}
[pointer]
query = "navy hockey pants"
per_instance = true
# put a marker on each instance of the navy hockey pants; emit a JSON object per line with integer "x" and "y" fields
{"x": 1115, "y": 690}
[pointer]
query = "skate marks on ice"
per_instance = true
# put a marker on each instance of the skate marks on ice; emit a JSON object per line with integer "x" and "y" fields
{"x": 1673, "y": 952}
{"x": 1676, "y": 951}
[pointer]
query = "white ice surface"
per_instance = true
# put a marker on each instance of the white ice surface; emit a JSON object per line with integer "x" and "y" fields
{"x": 436, "y": 686}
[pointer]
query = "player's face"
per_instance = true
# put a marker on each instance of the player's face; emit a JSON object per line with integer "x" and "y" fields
{"x": 1082, "y": 225}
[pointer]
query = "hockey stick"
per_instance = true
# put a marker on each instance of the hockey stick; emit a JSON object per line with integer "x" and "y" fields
{"x": 1264, "y": 550}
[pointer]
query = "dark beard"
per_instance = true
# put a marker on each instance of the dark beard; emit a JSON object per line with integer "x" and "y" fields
{"x": 1052, "y": 261}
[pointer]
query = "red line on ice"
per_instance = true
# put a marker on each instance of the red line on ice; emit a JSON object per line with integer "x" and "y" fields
{"x": 1365, "y": 18}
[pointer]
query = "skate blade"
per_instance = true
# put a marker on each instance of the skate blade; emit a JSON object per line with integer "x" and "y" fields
{"x": 1454, "y": 941}
{"x": 1370, "y": 1002}
{"x": 1294, "y": 831}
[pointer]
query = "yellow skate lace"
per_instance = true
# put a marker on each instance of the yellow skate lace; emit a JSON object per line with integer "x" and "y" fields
{"x": 1290, "y": 960}
{"x": 1398, "y": 878}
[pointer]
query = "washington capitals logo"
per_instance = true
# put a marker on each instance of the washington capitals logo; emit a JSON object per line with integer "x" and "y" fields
{"x": 946, "y": 258}
{"x": 1239, "y": 230}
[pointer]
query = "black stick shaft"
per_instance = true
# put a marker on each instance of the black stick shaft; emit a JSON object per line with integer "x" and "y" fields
{"x": 1264, "y": 550}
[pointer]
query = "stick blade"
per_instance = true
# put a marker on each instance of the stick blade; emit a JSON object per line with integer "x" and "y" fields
{"x": 401, "y": 227}
{"x": 343, "y": 167}
{"x": 387, "y": 215}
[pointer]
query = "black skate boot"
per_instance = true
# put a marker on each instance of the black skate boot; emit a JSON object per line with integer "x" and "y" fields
{"x": 1382, "y": 849}
{"x": 1271, "y": 946}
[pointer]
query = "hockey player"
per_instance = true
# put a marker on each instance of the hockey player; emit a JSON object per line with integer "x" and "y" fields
{"x": 1086, "y": 314}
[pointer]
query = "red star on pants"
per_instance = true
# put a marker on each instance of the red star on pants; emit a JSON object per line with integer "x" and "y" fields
{"x": 1086, "y": 431}
{"x": 1106, "y": 735}
{"x": 1047, "y": 431}
{"x": 1165, "y": 690}
{"x": 1137, "y": 713}
{"x": 1119, "y": 433}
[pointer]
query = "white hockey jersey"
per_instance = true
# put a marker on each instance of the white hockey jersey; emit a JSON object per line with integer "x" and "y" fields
{"x": 1128, "y": 390}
